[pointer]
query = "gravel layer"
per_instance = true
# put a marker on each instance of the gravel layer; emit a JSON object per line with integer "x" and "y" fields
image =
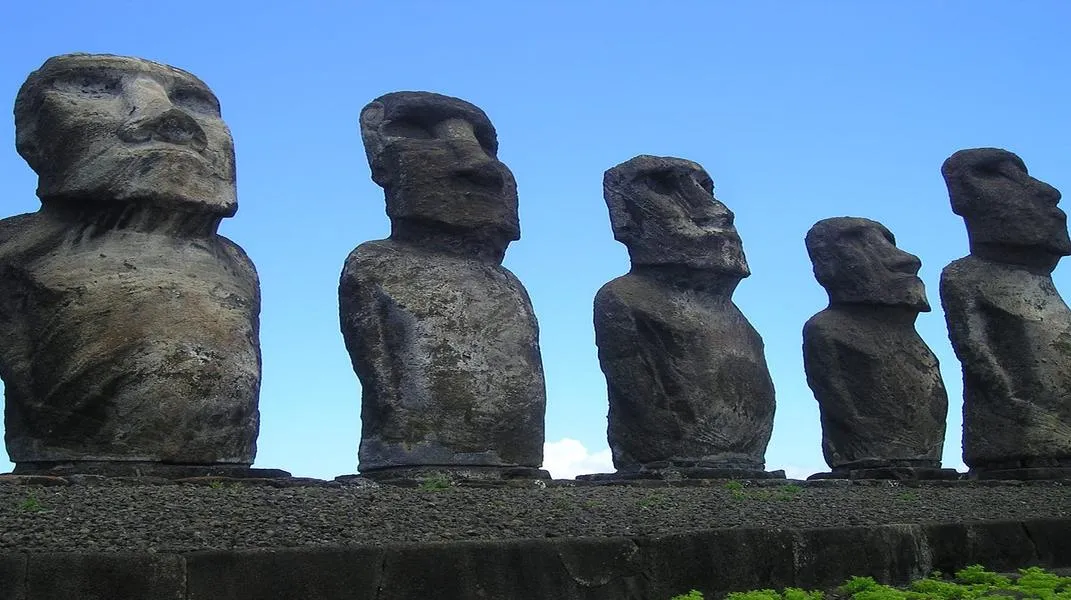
{"x": 126, "y": 516}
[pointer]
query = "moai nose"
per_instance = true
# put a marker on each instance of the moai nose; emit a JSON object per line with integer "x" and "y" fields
{"x": 155, "y": 118}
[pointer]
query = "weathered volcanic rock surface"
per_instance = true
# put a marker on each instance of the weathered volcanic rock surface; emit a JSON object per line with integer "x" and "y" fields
{"x": 1017, "y": 380}
{"x": 1008, "y": 325}
{"x": 127, "y": 346}
{"x": 877, "y": 383}
{"x": 686, "y": 375}
{"x": 129, "y": 326}
{"x": 449, "y": 352}
{"x": 120, "y": 516}
{"x": 441, "y": 335}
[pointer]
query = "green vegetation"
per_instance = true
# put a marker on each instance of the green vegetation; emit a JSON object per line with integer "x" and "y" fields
{"x": 782, "y": 493}
{"x": 653, "y": 501}
{"x": 969, "y": 583}
{"x": 31, "y": 504}
{"x": 435, "y": 483}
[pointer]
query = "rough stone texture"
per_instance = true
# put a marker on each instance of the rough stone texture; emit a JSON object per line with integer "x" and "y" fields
{"x": 686, "y": 376}
{"x": 442, "y": 337}
{"x": 670, "y": 474}
{"x": 1008, "y": 325}
{"x": 130, "y": 326}
{"x": 714, "y": 562}
{"x": 133, "y": 576}
{"x": 135, "y": 515}
{"x": 878, "y": 385}
{"x": 13, "y": 576}
{"x": 350, "y": 573}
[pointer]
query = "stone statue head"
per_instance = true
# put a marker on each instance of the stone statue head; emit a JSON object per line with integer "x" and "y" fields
{"x": 856, "y": 260}
{"x": 100, "y": 129}
{"x": 436, "y": 158}
{"x": 664, "y": 210}
{"x": 1005, "y": 209}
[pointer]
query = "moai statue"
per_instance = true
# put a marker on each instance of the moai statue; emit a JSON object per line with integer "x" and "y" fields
{"x": 129, "y": 324}
{"x": 878, "y": 385}
{"x": 441, "y": 335}
{"x": 689, "y": 389}
{"x": 1009, "y": 326}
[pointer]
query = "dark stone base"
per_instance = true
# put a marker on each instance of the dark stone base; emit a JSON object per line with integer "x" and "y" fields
{"x": 144, "y": 469}
{"x": 714, "y": 562}
{"x": 892, "y": 473}
{"x": 468, "y": 475}
{"x": 680, "y": 473}
{"x": 1022, "y": 473}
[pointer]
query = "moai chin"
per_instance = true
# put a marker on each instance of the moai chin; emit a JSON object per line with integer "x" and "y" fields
{"x": 879, "y": 389}
{"x": 687, "y": 380}
{"x": 441, "y": 335}
{"x": 130, "y": 326}
{"x": 1008, "y": 325}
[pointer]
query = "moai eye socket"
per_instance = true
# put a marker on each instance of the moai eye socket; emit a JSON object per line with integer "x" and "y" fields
{"x": 195, "y": 99}
{"x": 707, "y": 184}
{"x": 408, "y": 128}
{"x": 660, "y": 182}
{"x": 89, "y": 83}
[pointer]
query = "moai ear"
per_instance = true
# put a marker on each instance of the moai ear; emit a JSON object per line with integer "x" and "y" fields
{"x": 621, "y": 221}
{"x": 371, "y": 122}
{"x": 821, "y": 241}
{"x": 26, "y": 130}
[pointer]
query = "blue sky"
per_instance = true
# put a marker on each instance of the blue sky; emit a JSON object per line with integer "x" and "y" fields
{"x": 799, "y": 111}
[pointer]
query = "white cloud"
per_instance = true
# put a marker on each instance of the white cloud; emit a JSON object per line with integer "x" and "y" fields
{"x": 567, "y": 458}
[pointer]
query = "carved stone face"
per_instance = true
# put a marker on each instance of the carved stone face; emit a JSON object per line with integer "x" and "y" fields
{"x": 101, "y": 128}
{"x": 663, "y": 209}
{"x": 436, "y": 158}
{"x": 857, "y": 262}
{"x": 1002, "y": 205}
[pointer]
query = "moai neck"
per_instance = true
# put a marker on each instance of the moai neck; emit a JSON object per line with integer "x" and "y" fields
{"x": 709, "y": 282}
{"x": 888, "y": 313}
{"x": 100, "y": 216}
{"x": 485, "y": 245}
{"x": 1029, "y": 258}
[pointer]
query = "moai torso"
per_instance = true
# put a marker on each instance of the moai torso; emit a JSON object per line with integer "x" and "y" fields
{"x": 882, "y": 400}
{"x": 877, "y": 383}
{"x": 132, "y": 325}
{"x": 1008, "y": 325}
{"x": 1012, "y": 333}
{"x": 130, "y": 346}
{"x": 686, "y": 376}
{"x": 687, "y": 381}
{"x": 442, "y": 337}
{"x": 448, "y": 353}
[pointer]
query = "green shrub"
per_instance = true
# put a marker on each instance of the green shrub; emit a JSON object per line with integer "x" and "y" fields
{"x": 435, "y": 483}
{"x": 31, "y": 504}
{"x": 971, "y": 583}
